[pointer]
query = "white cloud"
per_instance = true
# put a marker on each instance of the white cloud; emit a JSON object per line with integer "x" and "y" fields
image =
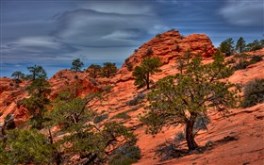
{"x": 118, "y": 7}
{"x": 91, "y": 28}
{"x": 244, "y": 12}
{"x": 37, "y": 41}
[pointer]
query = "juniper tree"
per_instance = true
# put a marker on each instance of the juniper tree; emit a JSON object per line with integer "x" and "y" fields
{"x": 26, "y": 147}
{"x": 94, "y": 70}
{"x": 142, "y": 72}
{"x": 18, "y": 75}
{"x": 227, "y": 46}
{"x": 109, "y": 69}
{"x": 94, "y": 143}
{"x": 38, "y": 101}
{"x": 37, "y": 72}
{"x": 241, "y": 45}
{"x": 77, "y": 64}
{"x": 182, "y": 98}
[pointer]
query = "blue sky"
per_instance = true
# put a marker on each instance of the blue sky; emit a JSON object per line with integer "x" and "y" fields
{"x": 52, "y": 33}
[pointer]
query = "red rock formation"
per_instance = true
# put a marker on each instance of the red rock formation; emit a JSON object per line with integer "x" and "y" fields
{"x": 167, "y": 46}
{"x": 11, "y": 94}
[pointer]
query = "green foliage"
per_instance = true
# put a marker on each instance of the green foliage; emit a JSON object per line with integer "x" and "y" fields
{"x": 18, "y": 75}
{"x": 39, "y": 90}
{"x": 125, "y": 155}
{"x": 241, "y": 45}
{"x": 109, "y": 69}
{"x": 26, "y": 147}
{"x": 77, "y": 65}
{"x": 87, "y": 139}
{"x": 142, "y": 73}
{"x": 187, "y": 95}
{"x": 69, "y": 112}
{"x": 227, "y": 46}
{"x": 122, "y": 115}
{"x": 37, "y": 72}
{"x": 253, "y": 93}
{"x": 245, "y": 60}
{"x": 94, "y": 70}
{"x": 255, "y": 59}
{"x": 255, "y": 45}
{"x": 92, "y": 145}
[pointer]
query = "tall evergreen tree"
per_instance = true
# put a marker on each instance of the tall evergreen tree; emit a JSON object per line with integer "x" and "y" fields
{"x": 37, "y": 72}
{"x": 142, "y": 73}
{"x": 227, "y": 46}
{"x": 77, "y": 65}
{"x": 18, "y": 75}
{"x": 38, "y": 101}
{"x": 94, "y": 70}
{"x": 241, "y": 45}
{"x": 109, "y": 69}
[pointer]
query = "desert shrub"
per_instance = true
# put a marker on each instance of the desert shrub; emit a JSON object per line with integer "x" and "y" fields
{"x": 136, "y": 99}
{"x": 253, "y": 93}
{"x": 168, "y": 151}
{"x": 241, "y": 65}
{"x": 122, "y": 115}
{"x": 231, "y": 61}
{"x": 255, "y": 59}
{"x": 125, "y": 155}
{"x": 100, "y": 118}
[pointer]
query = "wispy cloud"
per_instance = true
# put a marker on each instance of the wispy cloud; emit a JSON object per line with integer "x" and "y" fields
{"x": 244, "y": 12}
{"x": 38, "y": 41}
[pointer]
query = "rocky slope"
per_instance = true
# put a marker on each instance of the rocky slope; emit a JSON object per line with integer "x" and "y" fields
{"x": 244, "y": 126}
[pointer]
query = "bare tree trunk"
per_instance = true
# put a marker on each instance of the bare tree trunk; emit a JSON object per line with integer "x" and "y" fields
{"x": 147, "y": 81}
{"x": 192, "y": 145}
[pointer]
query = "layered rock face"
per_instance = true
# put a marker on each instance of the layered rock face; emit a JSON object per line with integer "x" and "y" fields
{"x": 11, "y": 93}
{"x": 167, "y": 47}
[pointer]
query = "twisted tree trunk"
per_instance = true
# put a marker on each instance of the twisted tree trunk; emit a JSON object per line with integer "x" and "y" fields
{"x": 192, "y": 145}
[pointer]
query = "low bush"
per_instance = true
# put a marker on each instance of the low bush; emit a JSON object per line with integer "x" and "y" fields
{"x": 125, "y": 155}
{"x": 255, "y": 59}
{"x": 241, "y": 65}
{"x": 253, "y": 93}
{"x": 168, "y": 151}
{"x": 122, "y": 115}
